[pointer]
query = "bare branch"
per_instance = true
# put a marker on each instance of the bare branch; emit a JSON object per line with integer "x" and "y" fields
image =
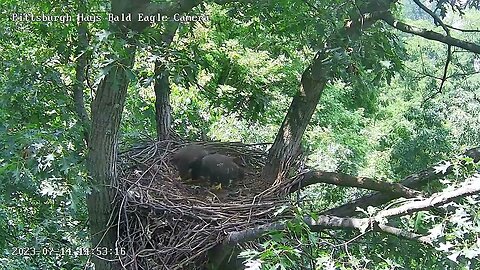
{"x": 437, "y": 199}
{"x": 432, "y": 35}
{"x": 444, "y": 76}
{"x": 374, "y": 223}
{"x": 340, "y": 179}
{"x": 463, "y": 30}
{"x": 326, "y": 222}
{"x": 424, "y": 239}
{"x": 436, "y": 19}
{"x": 416, "y": 181}
{"x": 362, "y": 224}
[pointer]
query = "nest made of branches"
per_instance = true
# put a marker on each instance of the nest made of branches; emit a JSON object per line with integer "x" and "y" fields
{"x": 166, "y": 223}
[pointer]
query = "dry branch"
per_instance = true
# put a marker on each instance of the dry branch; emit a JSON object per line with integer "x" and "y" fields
{"x": 371, "y": 16}
{"x": 169, "y": 224}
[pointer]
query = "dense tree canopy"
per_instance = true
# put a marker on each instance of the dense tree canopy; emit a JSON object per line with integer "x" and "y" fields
{"x": 379, "y": 101}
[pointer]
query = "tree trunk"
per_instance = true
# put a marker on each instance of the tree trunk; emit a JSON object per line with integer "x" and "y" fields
{"x": 163, "y": 110}
{"x": 80, "y": 73}
{"x": 107, "y": 110}
{"x": 163, "y": 117}
{"x": 106, "y": 113}
{"x": 287, "y": 142}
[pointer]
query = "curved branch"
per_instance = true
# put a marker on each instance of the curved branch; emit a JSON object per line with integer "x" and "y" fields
{"x": 436, "y": 19}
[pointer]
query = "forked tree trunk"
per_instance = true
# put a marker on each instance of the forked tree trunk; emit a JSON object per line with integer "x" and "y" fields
{"x": 106, "y": 113}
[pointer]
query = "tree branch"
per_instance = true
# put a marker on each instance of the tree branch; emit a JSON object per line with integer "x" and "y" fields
{"x": 444, "y": 76}
{"x": 424, "y": 239}
{"x": 415, "y": 181}
{"x": 463, "y": 30}
{"x": 340, "y": 179}
{"x": 432, "y": 35}
{"x": 363, "y": 225}
{"x": 437, "y": 199}
{"x": 436, "y": 19}
{"x": 326, "y": 222}
{"x": 374, "y": 223}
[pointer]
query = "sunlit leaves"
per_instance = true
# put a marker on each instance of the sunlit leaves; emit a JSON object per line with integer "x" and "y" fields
{"x": 38, "y": 132}
{"x": 442, "y": 167}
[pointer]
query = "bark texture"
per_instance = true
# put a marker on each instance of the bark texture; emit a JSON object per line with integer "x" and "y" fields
{"x": 163, "y": 109}
{"x": 414, "y": 181}
{"x": 106, "y": 112}
{"x": 107, "y": 108}
{"x": 287, "y": 141}
{"x": 80, "y": 73}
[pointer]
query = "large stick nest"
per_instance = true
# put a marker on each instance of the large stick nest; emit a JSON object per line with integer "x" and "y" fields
{"x": 165, "y": 223}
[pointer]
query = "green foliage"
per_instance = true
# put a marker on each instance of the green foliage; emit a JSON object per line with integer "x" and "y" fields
{"x": 41, "y": 147}
{"x": 278, "y": 251}
{"x": 336, "y": 134}
{"x": 454, "y": 229}
{"x": 398, "y": 131}
{"x": 417, "y": 141}
{"x": 234, "y": 73}
{"x": 232, "y": 79}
